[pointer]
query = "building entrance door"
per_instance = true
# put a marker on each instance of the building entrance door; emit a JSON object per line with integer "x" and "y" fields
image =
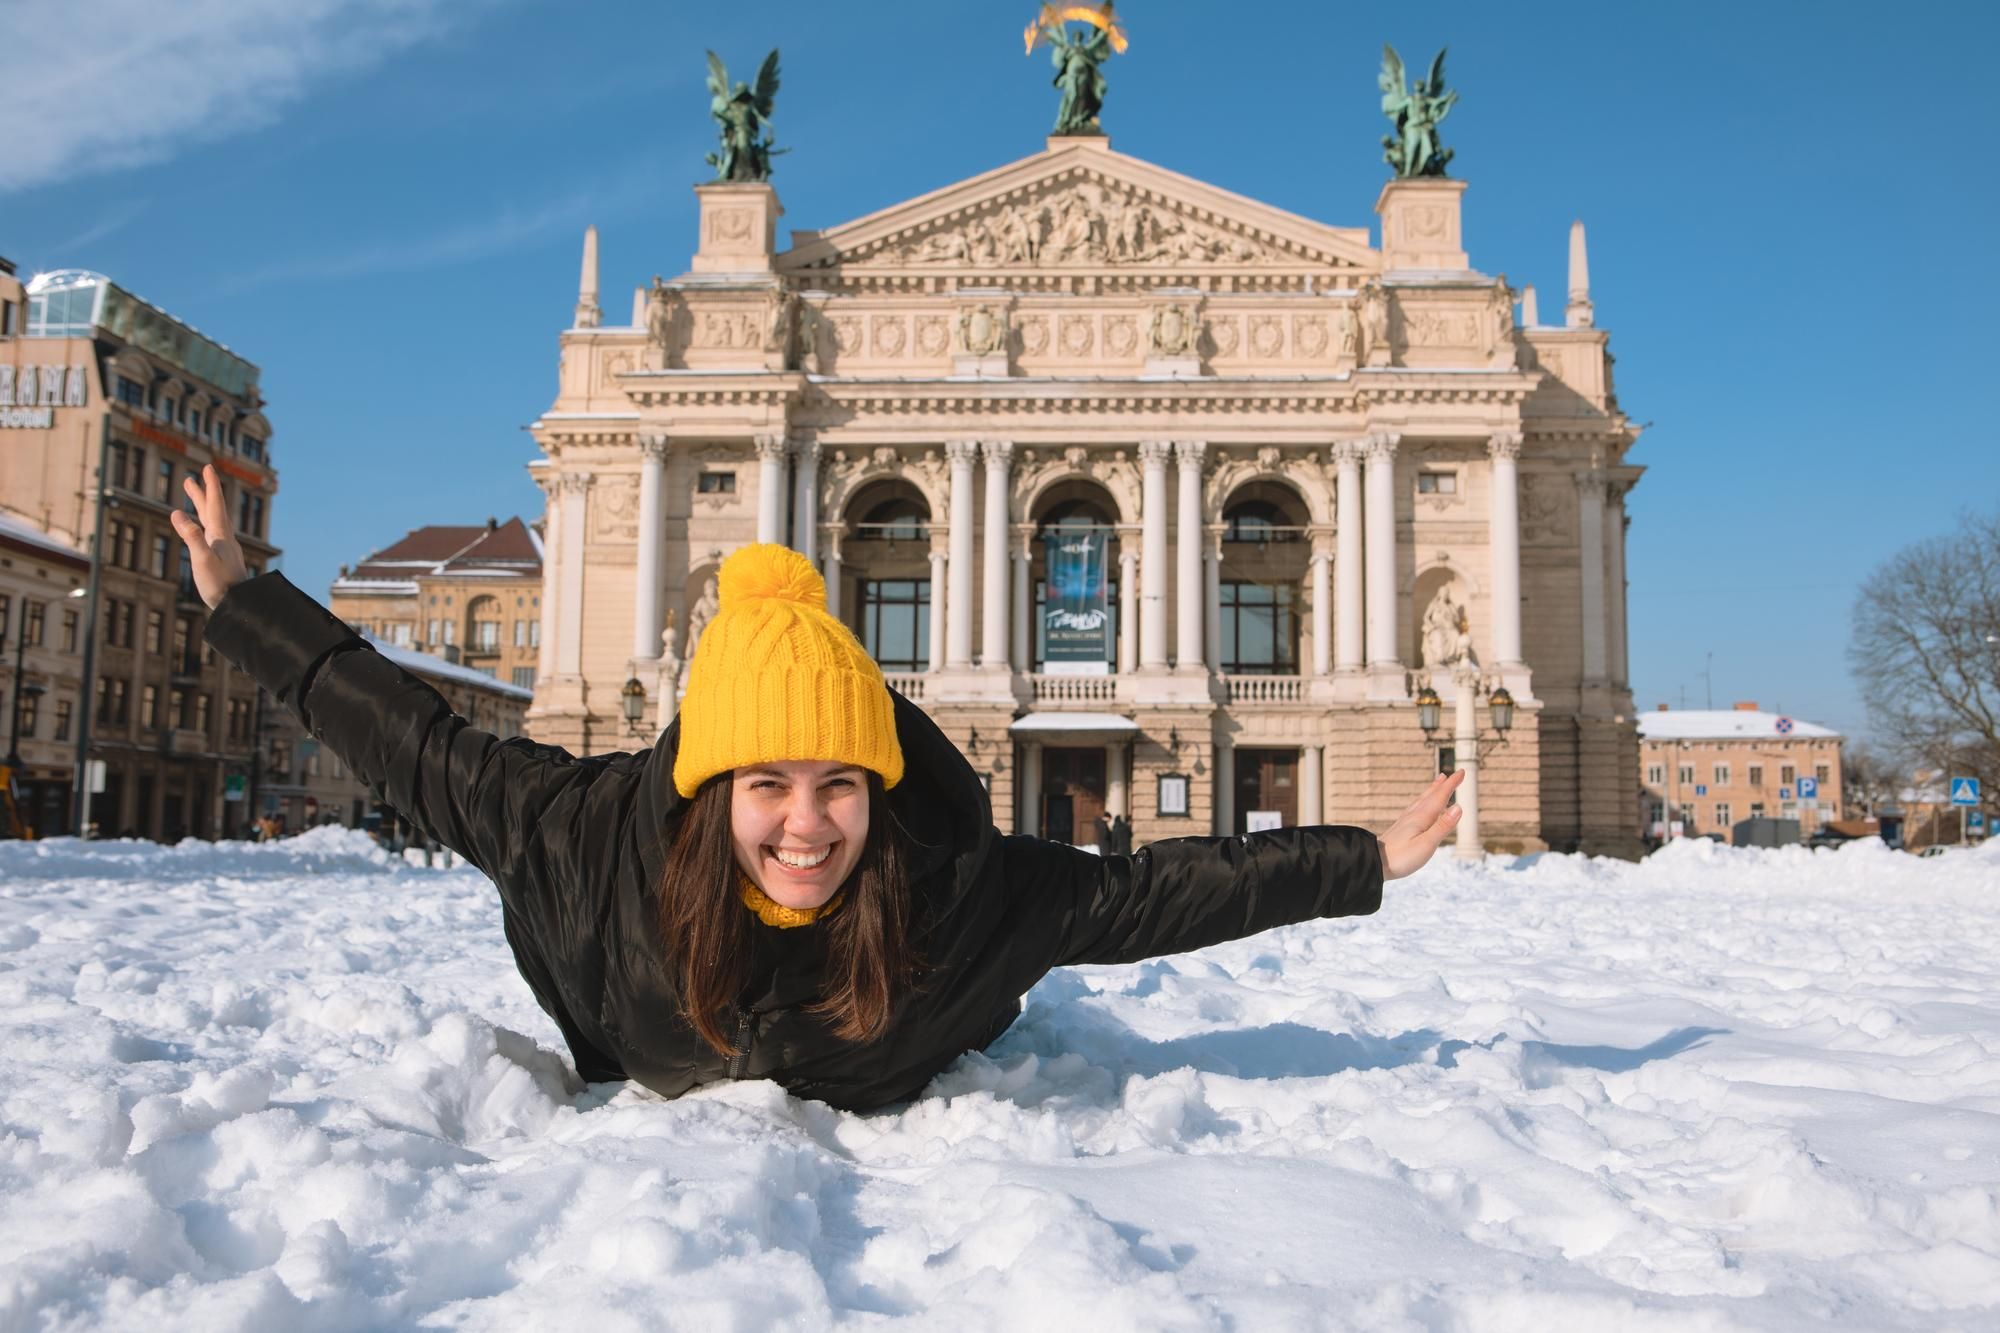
{"x": 1267, "y": 780}
{"x": 1072, "y": 794}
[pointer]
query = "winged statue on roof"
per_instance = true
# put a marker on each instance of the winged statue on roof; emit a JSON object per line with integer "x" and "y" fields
{"x": 1416, "y": 111}
{"x": 743, "y": 115}
{"x": 1078, "y": 59}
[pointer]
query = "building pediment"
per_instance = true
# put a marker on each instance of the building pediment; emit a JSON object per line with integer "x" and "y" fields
{"x": 1076, "y": 208}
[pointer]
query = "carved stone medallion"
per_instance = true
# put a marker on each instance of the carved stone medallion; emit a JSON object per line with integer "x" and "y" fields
{"x": 933, "y": 335}
{"x": 1077, "y": 335}
{"x": 1121, "y": 335}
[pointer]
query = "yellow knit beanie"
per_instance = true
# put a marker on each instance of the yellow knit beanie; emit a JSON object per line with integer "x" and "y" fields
{"x": 775, "y": 678}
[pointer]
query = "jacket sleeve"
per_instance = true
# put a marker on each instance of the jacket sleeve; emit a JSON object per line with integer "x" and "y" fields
{"x": 475, "y": 793}
{"x": 1186, "y": 893}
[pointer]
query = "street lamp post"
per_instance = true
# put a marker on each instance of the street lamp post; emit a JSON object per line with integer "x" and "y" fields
{"x": 634, "y": 696}
{"x": 1466, "y": 688}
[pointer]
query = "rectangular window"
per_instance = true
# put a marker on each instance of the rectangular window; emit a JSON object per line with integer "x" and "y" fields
{"x": 716, "y": 483}
{"x": 64, "y": 707}
{"x": 157, "y": 566}
{"x": 201, "y": 710}
{"x": 31, "y": 712}
{"x": 1722, "y": 815}
{"x": 896, "y": 622}
{"x": 120, "y": 710}
{"x": 257, "y": 516}
{"x": 177, "y": 708}
{"x": 6, "y": 613}
{"x": 166, "y": 478}
{"x": 1756, "y": 775}
{"x": 534, "y": 633}
{"x": 401, "y": 634}
{"x": 1437, "y": 483}
{"x": 520, "y": 634}
{"x": 69, "y": 628}
{"x": 1722, "y": 775}
{"x": 1787, "y": 775}
{"x": 1260, "y": 632}
{"x": 37, "y": 614}
{"x": 486, "y": 635}
{"x": 1656, "y": 775}
{"x": 1824, "y": 773}
{"x": 451, "y": 631}
{"x": 524, "y": 677}
{"x": 149, "y": 705}
{"x": 131, "y": 392}
{"x": 156, "y": 628}
{"x": 432, "y": 637}
{"x": 1687, "y": 775}
{"x": 117, "y": 477}
{"x": 1756, "y": 809}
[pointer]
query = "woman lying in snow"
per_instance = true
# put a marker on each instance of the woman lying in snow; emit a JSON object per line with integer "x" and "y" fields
{"x": 801, "y": 880}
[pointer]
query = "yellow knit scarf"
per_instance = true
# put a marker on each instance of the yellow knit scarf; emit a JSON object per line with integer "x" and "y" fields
{"x": 774, "y": 913}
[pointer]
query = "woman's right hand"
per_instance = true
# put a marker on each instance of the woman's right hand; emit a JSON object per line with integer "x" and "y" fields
{"x": 213, "y": 555}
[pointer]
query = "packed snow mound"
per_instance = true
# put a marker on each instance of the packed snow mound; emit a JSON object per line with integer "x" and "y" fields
{"x": 328, "y": 849}
{"x": 300, "y": 1086}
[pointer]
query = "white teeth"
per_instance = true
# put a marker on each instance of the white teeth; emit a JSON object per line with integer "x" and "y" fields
{"x": 801, "y": 861}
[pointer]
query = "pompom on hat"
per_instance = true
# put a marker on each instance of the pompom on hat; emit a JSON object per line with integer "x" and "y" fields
{"x": 776, "y": 678}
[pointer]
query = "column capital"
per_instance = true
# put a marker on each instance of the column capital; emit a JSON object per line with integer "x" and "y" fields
{"x": 831, "y": 531}
{"x": 1190, "y": 451}
{"x": 1591, "y": 484}
{"x": 653, "y": 444}
{"x": 1504, "y": 444}
{"x": 1127, "y": 559}
{"x": 1347, "y": 453}
{"x": 961, "y": 451}
{"x": 806, "y": 448}
{"x": 572, "y": 483}
{"x": 770, "y": 447}
{"x": 1381, "y": 445}
{"x": 999, "y": 454}
{"x": 1154, "y": 453}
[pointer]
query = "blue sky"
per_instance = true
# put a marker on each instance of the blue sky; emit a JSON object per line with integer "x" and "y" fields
{"x": 381, "y": 203}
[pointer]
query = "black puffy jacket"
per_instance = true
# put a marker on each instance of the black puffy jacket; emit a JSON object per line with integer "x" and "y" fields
{"x": 576, "y": 846}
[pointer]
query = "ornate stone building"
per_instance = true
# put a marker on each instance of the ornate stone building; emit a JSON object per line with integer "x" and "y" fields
{"x": 1327, "y": 473}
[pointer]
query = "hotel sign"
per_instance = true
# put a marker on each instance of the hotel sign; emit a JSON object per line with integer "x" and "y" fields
{"x": 29, "y": 395}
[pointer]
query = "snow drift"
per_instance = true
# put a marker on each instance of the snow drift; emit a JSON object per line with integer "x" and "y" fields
{"x": 299, "y": 1085}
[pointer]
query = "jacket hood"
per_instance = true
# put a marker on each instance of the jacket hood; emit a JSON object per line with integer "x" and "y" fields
{"x": 941, "y": 806}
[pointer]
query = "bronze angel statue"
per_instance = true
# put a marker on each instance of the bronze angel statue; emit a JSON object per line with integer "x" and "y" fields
{"x": 1416, "y": 112}
{"x": 744, "y": 115}
{"x": 1079, "y": 60}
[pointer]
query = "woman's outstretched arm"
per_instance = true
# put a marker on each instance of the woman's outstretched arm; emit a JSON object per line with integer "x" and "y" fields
{"x": 475, "y": 793}
{"x": 1187, "y": 893}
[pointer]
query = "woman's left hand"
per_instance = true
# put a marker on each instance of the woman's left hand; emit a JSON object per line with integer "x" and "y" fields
{"x": 1409, "y": 841}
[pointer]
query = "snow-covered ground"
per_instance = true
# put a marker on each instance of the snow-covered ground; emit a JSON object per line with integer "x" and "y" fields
{"x": 299, "y": 1086}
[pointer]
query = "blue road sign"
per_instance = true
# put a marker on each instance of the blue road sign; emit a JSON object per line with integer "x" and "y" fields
{"x": 1965, "y": 791}
{"x": 1808, "y": 789}
{"x": 1784, "y": 793}
{"x": 1701, "y": 789}
{"x": 1783, "y": 726}
{"x": 1975, "y": 822}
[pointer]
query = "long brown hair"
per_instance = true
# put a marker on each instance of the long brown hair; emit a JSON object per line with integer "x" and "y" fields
{"x": 871, "y": 958}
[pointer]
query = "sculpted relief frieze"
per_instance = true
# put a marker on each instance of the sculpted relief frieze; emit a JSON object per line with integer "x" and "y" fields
{"x": 1088, "y": 223}
{"x": 1548, "y": 510}
{"x": 614, "y": 509}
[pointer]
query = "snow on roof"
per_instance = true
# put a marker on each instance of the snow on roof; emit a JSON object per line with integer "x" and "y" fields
{"x": 15, "y": 528}
{"x": 1716, "y": 724}
{"x": 1073, "y": 722}
{"x": 423, "y": 664}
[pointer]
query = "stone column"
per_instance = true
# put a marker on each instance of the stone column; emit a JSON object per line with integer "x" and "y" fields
{"x": 1322, "y": 577}
{"x": 1312, "y": 803}
{"x": 1504, "y": 541}
{"x": 652, "y": 537}
{"x": 1383, "y": 654}
{"x": 1590, "y": 491}
{"x": 1347, "y": 556}
{"x": 829, "y": 568}
{"x": 1031, "y": 788}
{"x": 938, "y": 601}
{"x": 1022, "y": 649}
{"x": 1213, "y": 597}
{"x": 1128, "y": 607}
{"x": 770, "y": 488}
{"x": 1225, "y": 788}
{"x": 1153, "y": 564}
{"x": 958, "y": 598}
{"x": 545, "y": 658}
{"x": 1117, "y": 798}
{"x": 575, "y": 489}
{"x": 993, "y": 626}
{"x": 805, "y": 499}
{"x": 1614, "y": 535}
{"x": 1187, "y": 552}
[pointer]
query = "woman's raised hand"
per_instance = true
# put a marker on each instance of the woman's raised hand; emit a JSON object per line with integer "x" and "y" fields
{"x": 1410, "y": 841}
{"x": 213, "y": 555}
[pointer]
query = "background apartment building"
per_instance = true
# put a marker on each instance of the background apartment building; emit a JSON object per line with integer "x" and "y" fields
{"x": 1704, "y": 770}
{"x": 471, "y": 595}
{"x": 107, "y": 404}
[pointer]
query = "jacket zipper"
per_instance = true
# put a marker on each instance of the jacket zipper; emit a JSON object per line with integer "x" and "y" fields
{"x": 740, "y": 1060}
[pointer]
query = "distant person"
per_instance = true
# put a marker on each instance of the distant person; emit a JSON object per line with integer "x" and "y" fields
{"x": 800, "y": 880}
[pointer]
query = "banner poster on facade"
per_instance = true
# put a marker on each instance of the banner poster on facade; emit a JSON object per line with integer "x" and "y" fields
{"x": 1076, "y": 615}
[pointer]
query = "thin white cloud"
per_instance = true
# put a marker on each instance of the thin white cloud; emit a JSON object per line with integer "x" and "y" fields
{"x": 96, "y": 85}
{"x": 68, "y": 252}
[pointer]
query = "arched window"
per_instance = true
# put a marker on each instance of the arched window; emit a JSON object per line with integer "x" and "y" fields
{"x": 483, "y": 614}
{"x": 898, "y": 520}
{"x": 1257, "y": 521}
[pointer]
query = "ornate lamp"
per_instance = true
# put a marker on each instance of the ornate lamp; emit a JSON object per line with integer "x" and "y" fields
{"x": 634, "y": 695}
{"x": 1428, "y": 707}
{"x": 1502, "y": 704}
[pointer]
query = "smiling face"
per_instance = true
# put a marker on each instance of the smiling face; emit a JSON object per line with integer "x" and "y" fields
{"x": 799, "y": 827}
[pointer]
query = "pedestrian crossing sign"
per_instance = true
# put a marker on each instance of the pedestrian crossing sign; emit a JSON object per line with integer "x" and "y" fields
{"x": 1965, "y": 791}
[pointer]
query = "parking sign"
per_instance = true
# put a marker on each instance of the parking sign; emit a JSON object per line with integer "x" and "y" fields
{"x": 1808, "y": 789}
